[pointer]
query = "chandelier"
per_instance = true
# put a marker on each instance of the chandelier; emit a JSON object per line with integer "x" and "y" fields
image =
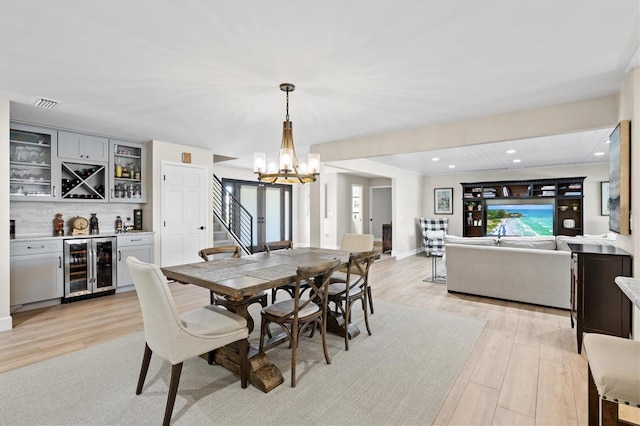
{"x": 287, "y": 169}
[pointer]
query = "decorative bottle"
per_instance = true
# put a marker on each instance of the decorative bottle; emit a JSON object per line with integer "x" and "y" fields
{"x": 118, "y": 224}
{"x": 128, "y": 225}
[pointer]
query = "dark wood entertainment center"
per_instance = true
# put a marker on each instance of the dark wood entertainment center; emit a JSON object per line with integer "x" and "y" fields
{"x": 566, "y": 195}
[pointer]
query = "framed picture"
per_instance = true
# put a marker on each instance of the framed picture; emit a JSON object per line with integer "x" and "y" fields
{"x": 604, "y": 198}
{"x": 620, "y": 178}
{"x": 443, "y": 200}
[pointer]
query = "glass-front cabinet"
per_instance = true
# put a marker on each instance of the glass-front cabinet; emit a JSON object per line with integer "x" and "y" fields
{"x": 128, "y": 172}
{"x": 32, "y": 174}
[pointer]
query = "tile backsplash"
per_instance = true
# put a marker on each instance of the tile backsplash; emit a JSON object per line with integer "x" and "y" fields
{"x": 36, "y": 218}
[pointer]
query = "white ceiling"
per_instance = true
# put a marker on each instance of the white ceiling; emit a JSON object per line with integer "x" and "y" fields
{"x": 206, "y": 73}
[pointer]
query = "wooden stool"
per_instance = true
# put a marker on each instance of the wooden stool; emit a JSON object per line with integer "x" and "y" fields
{"x": 614, "y": 376}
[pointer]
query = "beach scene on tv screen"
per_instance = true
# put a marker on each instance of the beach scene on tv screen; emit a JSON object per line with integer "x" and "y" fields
{"x": 520, "y": 220}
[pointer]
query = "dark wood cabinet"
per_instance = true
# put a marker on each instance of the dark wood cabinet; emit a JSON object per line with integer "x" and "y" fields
{"x": 386, "y": 237}
{"x": 562, "y": 195}
{"x": 597, "y": 303}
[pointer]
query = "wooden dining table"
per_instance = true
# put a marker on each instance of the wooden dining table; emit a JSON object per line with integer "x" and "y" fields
{"x": 237, "y": 279}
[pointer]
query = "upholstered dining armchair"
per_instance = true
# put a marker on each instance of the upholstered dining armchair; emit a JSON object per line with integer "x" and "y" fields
{"x": 433, "y": 232}
{"x": 219, "y": 252}
{"x": 355, "y": 287}
{"x": 354, "y": 243}
{"x": 295, "y": 315}
{"x": 177, "y": 338}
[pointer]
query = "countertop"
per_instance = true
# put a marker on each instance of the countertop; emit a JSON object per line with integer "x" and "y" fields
{"x": 630, "y": 287}
{"x": 42, "y": 237}
{"x": 597, "y": 249}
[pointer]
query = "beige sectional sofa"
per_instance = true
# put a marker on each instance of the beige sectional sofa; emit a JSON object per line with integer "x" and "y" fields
{"x": 524, "y": 269}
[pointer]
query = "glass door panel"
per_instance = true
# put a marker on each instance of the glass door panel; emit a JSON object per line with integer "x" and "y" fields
{"x": 104, "y": 276}
{"x": 77, "y": 257}
{"x": 249, "y": 200}
{"x": 273, "y": 214}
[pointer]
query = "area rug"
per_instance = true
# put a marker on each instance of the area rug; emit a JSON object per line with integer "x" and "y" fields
{"x": 399, "y": 375}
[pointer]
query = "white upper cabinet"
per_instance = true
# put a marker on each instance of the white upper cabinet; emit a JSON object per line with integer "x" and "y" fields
{"x": 77, "y": 146}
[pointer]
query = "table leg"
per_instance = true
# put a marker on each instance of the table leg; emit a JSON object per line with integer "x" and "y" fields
{"x": 335, "y": 324}
{"x": 262, "y": 374}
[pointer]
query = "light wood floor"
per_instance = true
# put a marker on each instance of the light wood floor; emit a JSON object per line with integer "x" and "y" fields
{"x": 523, "y": 370}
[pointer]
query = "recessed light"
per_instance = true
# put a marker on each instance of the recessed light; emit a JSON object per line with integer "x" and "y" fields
{"x": 452, "y": 166}
{"x": 517, "y": 160}
{"x": 598, "y": 154}
{"x": 511, "y": 151}
{"x": 435, "y": 159}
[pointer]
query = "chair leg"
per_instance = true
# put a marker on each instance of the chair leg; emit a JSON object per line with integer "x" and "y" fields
{"x": 323, "y": 330}
{"x": 145, "y": 367}
{"x": 294, "y": 353}
{"x": 370, "y": 300}
{"x": 594, "y": 401}
{"x": 173, "y": 390}
{"x": 244, "y": 349}
{"x": 212, "y": 297}
{"x": 347, "y": 315}
{"x": 263, "y": 328}
{"x": 366, "y": 315}
{"x": 609, "y": 413}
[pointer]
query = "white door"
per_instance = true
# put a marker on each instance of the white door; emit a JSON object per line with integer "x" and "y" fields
{"x": 379, "y": 210}
{"x": 184, "y": 213}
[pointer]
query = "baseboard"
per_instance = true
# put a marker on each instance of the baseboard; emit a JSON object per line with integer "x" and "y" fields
{"x": 6, "y": 323}
{"x": 409, "y": 253}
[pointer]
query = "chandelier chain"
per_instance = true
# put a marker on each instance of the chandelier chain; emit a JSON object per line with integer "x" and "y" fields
{"x": 287, "y": 116}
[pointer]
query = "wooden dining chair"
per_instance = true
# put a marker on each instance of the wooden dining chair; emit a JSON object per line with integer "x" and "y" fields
{"x": 354, "y": 287}
{"x": 297, "y": 314}
{"x": 221, "y": 252}
{"x": 289, "y": 288}
{"x": 177, "y": 338}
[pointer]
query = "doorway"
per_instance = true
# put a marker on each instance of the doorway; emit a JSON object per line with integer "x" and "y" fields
{"x": 379, "y": 210}
{"x": 270, "y": 207}
{"x": 356, "y": 209}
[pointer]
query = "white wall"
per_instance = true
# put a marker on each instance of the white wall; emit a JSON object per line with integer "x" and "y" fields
{"x": 5, "y": 310}
{"x": 595, "y": 173}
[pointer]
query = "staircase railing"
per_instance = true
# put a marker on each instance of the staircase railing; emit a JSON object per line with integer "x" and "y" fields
{"x": 235, "y": 218}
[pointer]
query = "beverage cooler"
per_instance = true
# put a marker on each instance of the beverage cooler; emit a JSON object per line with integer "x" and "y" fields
{"x": 88, "y": 267}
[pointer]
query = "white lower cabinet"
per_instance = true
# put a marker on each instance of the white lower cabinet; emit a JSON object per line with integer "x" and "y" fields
{"x": 136, "y": 245}
{"x": 36, "y": 271}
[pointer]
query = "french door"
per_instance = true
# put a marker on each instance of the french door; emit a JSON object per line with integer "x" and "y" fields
{"x": 270, "y": 207}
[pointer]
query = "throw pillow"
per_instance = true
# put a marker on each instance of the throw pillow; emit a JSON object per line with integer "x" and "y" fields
{"x": 435, "y": 235}
{"x": 540, "y": 243}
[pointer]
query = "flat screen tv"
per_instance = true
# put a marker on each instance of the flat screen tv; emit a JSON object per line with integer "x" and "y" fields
{"x": 520, "y": 219}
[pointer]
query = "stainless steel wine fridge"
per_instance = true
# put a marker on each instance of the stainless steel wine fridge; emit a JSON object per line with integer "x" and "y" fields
{"x": 89, "y": 269}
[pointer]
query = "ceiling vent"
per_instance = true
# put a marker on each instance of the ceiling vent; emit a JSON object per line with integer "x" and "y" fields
{"x": 44, "y": 103}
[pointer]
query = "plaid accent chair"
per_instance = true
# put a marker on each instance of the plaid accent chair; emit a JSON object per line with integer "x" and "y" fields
{"x": 433, "y": 232}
